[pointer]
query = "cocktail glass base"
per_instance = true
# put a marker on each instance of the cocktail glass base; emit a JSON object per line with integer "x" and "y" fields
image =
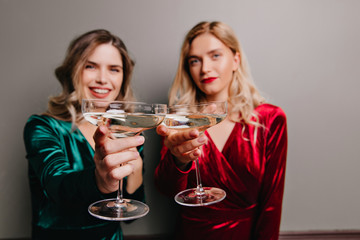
{"x": 192, "y": 197}
{"x": 109, "y": 209}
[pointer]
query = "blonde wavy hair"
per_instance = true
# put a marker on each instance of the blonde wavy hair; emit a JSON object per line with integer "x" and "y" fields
{"x": 67, "y": 105}
{"x": 243, "y": 94}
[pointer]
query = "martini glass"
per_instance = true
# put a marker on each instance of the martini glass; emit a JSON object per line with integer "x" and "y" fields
{"x": 201, "y": 117}
{"x": 124, "y": 119}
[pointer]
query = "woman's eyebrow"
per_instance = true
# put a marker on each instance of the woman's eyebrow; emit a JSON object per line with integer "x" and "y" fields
{"x": 115, "y": 65}
{"x": 192, "y": 56}
{"x": 215, "y": 50}
{"x": 209, "y": 52}
{"x": 91, "y": 62}
{"x": 94, "y": 63}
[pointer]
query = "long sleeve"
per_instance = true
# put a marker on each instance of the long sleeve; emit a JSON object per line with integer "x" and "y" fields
{"x": 271, "y": 193}
{"x": 62, "y": 177}
{"x": 169, "y": 179}
{"x": 64, "y": 169}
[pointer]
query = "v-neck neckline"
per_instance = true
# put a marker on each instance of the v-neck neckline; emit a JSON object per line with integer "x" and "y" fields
{"x": 88, "y": 143}
{"x": 227, "y": 142}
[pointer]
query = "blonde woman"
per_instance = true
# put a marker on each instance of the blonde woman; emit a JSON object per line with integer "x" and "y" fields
{"x": 73, "y": 163}
{"x": 245, "y": 154}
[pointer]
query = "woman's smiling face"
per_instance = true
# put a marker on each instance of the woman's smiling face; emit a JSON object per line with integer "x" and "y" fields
{"x": 102, "y": 75}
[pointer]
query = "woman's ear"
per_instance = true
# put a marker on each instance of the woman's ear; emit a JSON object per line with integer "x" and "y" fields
{"x": 236, "y": 61}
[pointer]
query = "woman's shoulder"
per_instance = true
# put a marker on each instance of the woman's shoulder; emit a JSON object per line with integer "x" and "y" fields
{"x": 45, "y": 120}
{"x": 267, "y": 110}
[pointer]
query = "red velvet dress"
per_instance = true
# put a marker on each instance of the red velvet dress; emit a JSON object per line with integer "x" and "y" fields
{"x": 252, "y": 174}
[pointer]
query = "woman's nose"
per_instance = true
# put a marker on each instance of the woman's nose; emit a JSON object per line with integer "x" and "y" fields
{"x": 206, "y": 66}
{"x": 101, "y": 77}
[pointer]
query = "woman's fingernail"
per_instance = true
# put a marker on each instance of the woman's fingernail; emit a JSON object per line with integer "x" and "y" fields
{"x": 102, "y": 128}
{"x": 140, "y": 139}
{"x": 193, "y": 133}
{"x": 202, "y": 139}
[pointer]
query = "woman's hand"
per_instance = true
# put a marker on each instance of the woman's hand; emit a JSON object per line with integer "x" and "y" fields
{"x": 110, "y": 154}
{"x": 183, "y": 145}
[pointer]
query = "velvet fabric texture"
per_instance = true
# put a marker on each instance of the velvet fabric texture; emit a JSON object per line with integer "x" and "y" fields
{"x": 250, "y": 168}
{"x": 62, "y": 183}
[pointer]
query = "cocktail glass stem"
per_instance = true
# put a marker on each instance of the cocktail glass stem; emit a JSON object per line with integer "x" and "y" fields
{"x": 120, "y": 203}
{"x": 119, "y": 197}
{"x": 199, "y": 189}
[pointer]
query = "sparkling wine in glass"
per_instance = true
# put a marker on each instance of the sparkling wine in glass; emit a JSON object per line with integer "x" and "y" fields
{"x": 201, "y": 117}
{"x": 124, "y": 119}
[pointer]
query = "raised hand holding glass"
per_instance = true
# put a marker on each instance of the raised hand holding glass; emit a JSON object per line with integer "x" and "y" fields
{"x": 201, "y": 116}
{"x": 124, "y": 119}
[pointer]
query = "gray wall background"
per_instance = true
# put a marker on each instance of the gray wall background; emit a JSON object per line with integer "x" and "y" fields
{"x": 304, "y": 56}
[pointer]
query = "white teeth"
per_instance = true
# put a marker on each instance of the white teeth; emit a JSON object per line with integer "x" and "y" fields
{"x": 102, "y": 91}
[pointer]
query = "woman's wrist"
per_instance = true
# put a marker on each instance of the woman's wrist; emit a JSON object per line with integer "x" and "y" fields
{"x": 181, "y": 165}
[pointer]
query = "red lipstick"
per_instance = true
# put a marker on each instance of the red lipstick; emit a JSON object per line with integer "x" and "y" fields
{"x": 208, "y": 80}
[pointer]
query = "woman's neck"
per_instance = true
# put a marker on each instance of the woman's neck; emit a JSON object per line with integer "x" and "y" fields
{"x": 216, "y": 98}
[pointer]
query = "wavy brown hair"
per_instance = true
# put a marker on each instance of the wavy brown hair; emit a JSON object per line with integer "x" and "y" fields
{"x": 67, "y": 105}
{"x": 243, "y": 94}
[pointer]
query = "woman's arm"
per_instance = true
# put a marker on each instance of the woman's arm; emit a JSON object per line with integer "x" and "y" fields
{"x": 180, "y": 149}
{"x": 170, "y": 179}
{"x": 271, "y": 195}
{"x": 61, "y": 180}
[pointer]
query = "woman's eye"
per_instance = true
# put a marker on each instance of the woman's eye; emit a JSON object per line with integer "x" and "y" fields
{"x": 193, "y": 61}
{"x": 216, "y": 55}
{"x": 89, "y": 66}
{"x": 115, "y": 70}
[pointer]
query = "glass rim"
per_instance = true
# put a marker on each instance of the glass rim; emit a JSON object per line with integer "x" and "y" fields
{"x": 198, "y": 104}
{"x": 121, "y": 101}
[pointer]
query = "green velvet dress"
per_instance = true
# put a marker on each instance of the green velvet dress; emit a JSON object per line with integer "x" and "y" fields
{"x": 62, "y": 183}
